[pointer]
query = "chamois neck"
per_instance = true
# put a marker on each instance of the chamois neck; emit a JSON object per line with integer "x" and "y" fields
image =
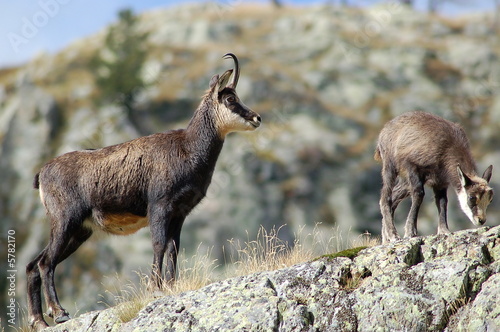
{"x": 202, "y": 132}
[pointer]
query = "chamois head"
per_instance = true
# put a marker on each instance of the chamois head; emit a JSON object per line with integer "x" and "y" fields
{"x": 230, "y": 112}
{"x": 475, "y": 195}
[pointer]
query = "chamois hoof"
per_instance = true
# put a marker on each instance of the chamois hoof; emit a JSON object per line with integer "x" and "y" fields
{"x": 62, "y": 318}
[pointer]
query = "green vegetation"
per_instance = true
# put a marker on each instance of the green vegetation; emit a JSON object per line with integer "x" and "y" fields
{"x": 118, "y": 65}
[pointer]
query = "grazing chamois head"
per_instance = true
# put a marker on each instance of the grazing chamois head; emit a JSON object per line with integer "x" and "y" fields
{"x": 475, "y": 195}
{"x": 150, "y": 181}
{"x": 418, "y": 149}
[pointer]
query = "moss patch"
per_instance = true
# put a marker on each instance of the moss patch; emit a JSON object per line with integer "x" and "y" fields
{"x": 349, "y": 253}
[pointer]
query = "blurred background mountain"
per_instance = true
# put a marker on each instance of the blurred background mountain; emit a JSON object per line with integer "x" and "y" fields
{"x": 325, "y": 78}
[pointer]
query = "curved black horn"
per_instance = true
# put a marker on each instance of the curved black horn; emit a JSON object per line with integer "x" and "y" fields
{"x": 236, "y": 69}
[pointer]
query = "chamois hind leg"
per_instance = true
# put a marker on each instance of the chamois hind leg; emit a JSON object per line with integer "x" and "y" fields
{"x": 34, "y": 281}
{"x": 441, "y": 199}
{"x": 417, "y": 195}
{"x": 64, "y": 241}
{"x": 34, "y": 284}
{"x": 389, "y": 175}
{"x": 399, "y": 193}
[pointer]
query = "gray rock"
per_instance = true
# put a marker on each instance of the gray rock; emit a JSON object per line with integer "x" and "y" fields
{"x": 421, "y": 284}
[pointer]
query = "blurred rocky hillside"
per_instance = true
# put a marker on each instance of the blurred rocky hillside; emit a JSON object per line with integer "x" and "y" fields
{"x": 325, "y": 79}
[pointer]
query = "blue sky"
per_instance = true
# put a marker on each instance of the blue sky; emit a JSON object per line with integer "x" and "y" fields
{"x": 30, "y": 27}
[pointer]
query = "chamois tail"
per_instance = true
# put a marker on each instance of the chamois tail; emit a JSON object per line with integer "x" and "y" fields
{"x": 36, "y": 181}
{"x": 377, "y": 156}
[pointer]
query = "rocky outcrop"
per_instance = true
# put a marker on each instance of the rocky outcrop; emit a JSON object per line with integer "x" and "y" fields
{"x": 446, "y": 282}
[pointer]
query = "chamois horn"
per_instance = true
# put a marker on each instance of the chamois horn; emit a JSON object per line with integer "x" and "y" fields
{"x": 236, "y": 69}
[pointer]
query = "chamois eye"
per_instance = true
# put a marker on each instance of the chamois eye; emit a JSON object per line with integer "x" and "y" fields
{"x": 472, "y": 199}
{"x": 231, "y": 99}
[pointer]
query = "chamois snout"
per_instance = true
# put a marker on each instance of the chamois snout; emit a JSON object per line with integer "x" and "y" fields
{"x": 255, "y": 122}
{"x": 252, "y": 118}
{"x": 234, "y": 115}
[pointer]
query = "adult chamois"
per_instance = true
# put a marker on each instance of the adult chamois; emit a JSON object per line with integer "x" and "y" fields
{"x": 150, "y": 181}
{"x": 419, "y": 148}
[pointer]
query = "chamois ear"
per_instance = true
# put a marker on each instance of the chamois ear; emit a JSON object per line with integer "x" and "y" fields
{"x": 217, "y": 84}
{"x": 464, "y": 179}
{"x": 213, "y": 81}
{"x": 487, "y": 173}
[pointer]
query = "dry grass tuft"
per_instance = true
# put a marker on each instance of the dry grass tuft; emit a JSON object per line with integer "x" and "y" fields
{"x": 131, "y": 298}
{"x": 193, "y": 273}
{"x": 366, "y": 240}
{"x": 267, "y": 252}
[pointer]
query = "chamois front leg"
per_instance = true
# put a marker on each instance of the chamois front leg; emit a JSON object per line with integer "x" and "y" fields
{"x": 165, "y": 228}
{"x": 441, "y": 198}
{"x": 159, "y": 221}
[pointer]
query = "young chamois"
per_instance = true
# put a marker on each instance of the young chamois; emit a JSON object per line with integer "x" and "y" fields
{"x": 419, "y": 148}
{"x": 150, "y": 181}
